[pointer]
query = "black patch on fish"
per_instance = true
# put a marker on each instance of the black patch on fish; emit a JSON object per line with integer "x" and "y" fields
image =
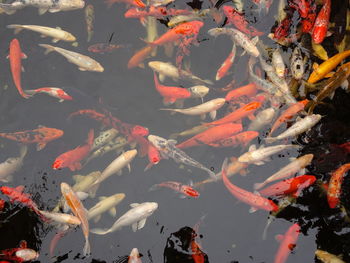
{"x": 221, "y": 2}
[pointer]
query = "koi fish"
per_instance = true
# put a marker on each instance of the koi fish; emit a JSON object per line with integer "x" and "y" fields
{"x": 139, "y": 56}
{"x": 258, "y": 156}
{"x": 83, "y": 62}
{"x": 243, "y": 139}
{"x": 297, "y": 128}
{"x": 238, "y": 20}
{"x": 278, "y": 64}
{"x": 72, "y": 158}
{"x": 302, "y": 6}
{"x": 326, "y": 257}
{"x": 136, "y": 217}
{"x": 335, "y": 184}
{"x": 289, "y": 186}
{"x": 247, "y": 91}
{"x": 19, "y": 254}
{"x": 170, "y": 94}
{"x": 15, "y": 56}
{"x": 288, "y": 114}
{"x": 57, "y": 33}
{"x": 61, "y": 218}
{"x": 17, "y": 194}
{"x": 290, "y": 169}
{"x": 288, "y": 242}
{"x": 244, "y": 111}
{"x": 52, "y": 6}
{"x": 103, "y": 138}
{"x": 255, "y": 201}
{"x": 321, "y": 23}
{"x": 168, "y": 150}
{"x": 212, "y": 135}
{"x": 169, "y": 70}
{"x": 134, "y": 256}
{"x": 79, "y": 211}
{"x": 327, "y": 66}
{"x": 201, "y": 109}
{"x": 193, "y": 131}
{"x": 297, "y": 64}
{"x": 262, "y": 119}
{"x": 117, "y": 165}
{"x": 12, "y": 165}
{"x": 89, "y": 20}
{"x": 103, "y": 48}
{"x": 105, "y": 204}
{"x": 226, "y": 65}
{"x": 51, "y": 91}
{"x": 186, "y": 190}
{"x": 42, "y": 135}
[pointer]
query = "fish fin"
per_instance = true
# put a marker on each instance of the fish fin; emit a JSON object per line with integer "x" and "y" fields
{"x": 42, "y": 11}
{"x": 270, "y": 139}
{"x": 279, "y": 238}
{"x": 329, "y": 75}
{"x": 82, "y": 69}
{"x": 134, "y": 227}
{"x": 252, "y": 210}
{"x": 22, "y": 69}
{"x": 168, "y": 100}
{"x": 20, "y": 188}
{"x": 61, "y": 100}
{"x": 120, "y": 172}
{"x": 291, "y": 246}
{"x": 331, "y": 95}
{"x": 55, "y": 40}
{"x": 212, "y": 114}
{"x": 54, "y": 10}
{"x": 259, "y": 185}
{"x": 252, "y": 148}
{"x": 302, "y": 171}
{"x": 149, "y": 166}
{"x": 23, "y": 56}
{"x": 255, "y": 40}
{"x": 23, "y": 151}
{"x": 153, "y": 188}
{"x": 49, "y": 48}
{"x": 99, "y": 231}
{"x": 259, "y": 163}
{"x": 251, "y": 117}
{"x": 134, "y": 205}
{"x": 243, "y": 53}
{"x": 161, "y": 77}
{"x": 102, "y": 198}
{"x": 129, "y": 167}
{"x": 112, "y": 211}
{"x": 92, "y": 191}
{"x": 315, "y": 66}
{"x": 202, "y": 116}
{"x": 97, "y": 218}
{"x": 141, "y": 223}
{"x": 82, "y": 195}
{"x": 40, "y": 146}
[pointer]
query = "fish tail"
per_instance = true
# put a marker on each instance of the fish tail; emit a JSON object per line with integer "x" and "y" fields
{"x": 16, "y": 27}
{"x": 87, "y": 249}
{"x": 49, "y": 48}
{"x": 23, "y": 151}
{"x": 173, "y": 110}
{"x": 208, "y": 81}
{"x": 153, "y": 188}
{"x": 7, "y": 8}
{"x": 99, "y": 231}
{"x": 259, "y": 185}
{"x": 29, "y": 92}
{"x": 212, "y": 175}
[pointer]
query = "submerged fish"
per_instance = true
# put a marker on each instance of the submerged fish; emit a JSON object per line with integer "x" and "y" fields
{"x": 136, "y": 217}
{"x": 89, "y": 20}
{"x": 84, "y": 63}
{"x": 57, "y": 33}
{"x": 327, "y": 257}
{"x": 105, "y": 204}
{"x": 12, "y": 165}
{"x": 168, "y": 150}
{"x": 52, "y": 6}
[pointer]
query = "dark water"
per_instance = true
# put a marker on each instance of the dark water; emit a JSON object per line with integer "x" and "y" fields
{"x": 228, "y": 232}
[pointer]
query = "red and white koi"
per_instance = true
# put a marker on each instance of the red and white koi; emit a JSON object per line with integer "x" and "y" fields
{"x": 51, "y": 91}
{"x": 186, "y": 190}
{"x": 335, "y": 184}
{"x": 227, "y": 64}
{"x": 288, "y": 242}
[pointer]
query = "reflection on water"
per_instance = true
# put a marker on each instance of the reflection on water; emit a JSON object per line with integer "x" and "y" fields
{"x": 124, "y": 97}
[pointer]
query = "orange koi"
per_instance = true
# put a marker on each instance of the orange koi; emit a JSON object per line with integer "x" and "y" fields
{"x": 289, "y": 186}
{"x": 243, "y": 139}
{"x": 170, "y": 94}
{"x": 72, "y": 158}
{"x": 248, "y": 90}
{"x": 16, "y": 194}
{"x": 186, "y": 190}
{"x": 319, "y": 31}
{"x": 42, "y": 135}
{"x": 288, "y": 242}
{"x": 238, "y": 20}
{"x": 224, "y": 68}
{"x": 19, "y": 254}
{"x": 244, "y": 111}
{"x": 186, "y": 29}
{"x": 15, "y": 56}
{"x": 289, "y": 113}
{"x": 137, "y": 59}
{"x": 322, "y": 70}
{"x": 212, "y": 135}
{"x": 79, "y": 211}
{"x": 335, "y": 183}
{"x": 255, "y": 201}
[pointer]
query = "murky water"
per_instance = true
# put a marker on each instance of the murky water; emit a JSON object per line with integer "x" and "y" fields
{"x": 228, "y": 232}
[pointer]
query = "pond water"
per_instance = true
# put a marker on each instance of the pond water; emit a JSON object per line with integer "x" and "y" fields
{"x": 227, "y": 231}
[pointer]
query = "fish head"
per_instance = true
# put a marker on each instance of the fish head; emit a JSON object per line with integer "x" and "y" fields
{"x": 65, "y": 188}
{"x": 98, "y": 68}
{"x": 245, "y": 158}
{"x": 158, "y": 142}
{"x": 150, "y": 207}
{"x": 70, "y": 37}
{"x": 155, "y": 65}
{"x": 134, "y": 254}
{"x": 199, "y": 91}
{"x": 219, "y": 102}
{"x": 129, "y": 155}
{"x": 27, "y": 254}
{"x": 138, "y": 130}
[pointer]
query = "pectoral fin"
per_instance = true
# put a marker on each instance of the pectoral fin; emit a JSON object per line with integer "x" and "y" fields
{"x": 40, "y": 146}
{"x": 212, "y": 114}
{"x": 42, "y": 11}
{"x": 97, "y": 218}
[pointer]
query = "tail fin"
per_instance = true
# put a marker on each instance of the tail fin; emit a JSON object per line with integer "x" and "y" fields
{"x": 23, "y": 151}
{"x": 257, "y": 186}
{"x": 30, "y": 92}
{"x": 16, "y": 27}
{"x": 153, "y": 188}
{"x": 99, "y": 231}
{"x": 49, "y": 48}
{"x": 8, "y": 9}
{"x": 87, "y": 249}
